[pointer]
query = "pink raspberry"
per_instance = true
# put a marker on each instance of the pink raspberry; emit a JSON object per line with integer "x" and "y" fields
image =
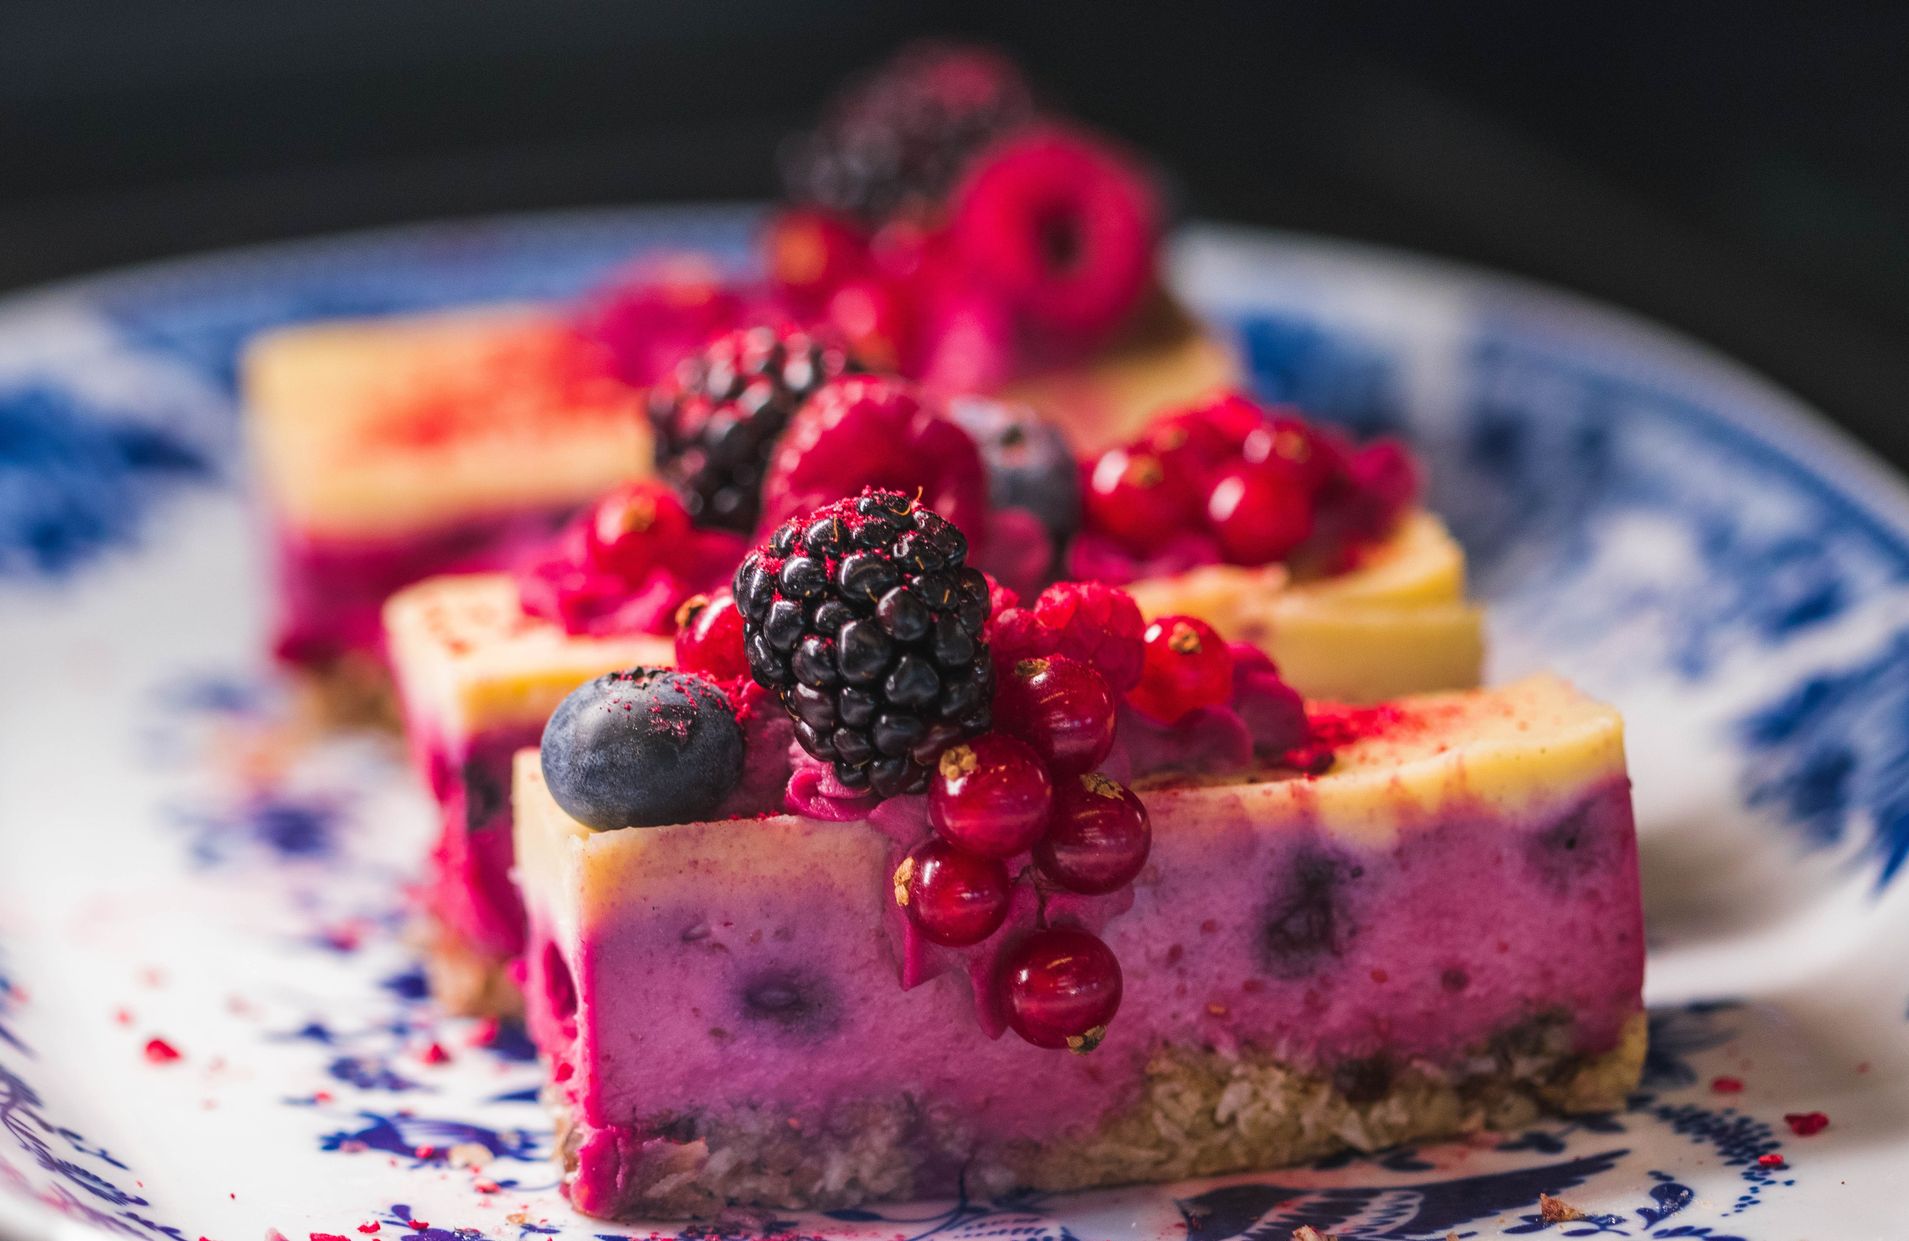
{"x": 654, "y": 315}
{"x": 875, "y": 431}
{"x": 1098, "y": 623}
{"x": 1015, "y": 634}
{"x": 1063, "y": 227}
{"x": 811, "y": 253}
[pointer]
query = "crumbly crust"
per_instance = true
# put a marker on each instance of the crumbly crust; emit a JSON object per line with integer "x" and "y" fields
{"x": 1202, "y": 1112}
{"x": 464, "y": 981}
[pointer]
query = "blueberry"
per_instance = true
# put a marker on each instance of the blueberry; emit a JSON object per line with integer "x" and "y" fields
{"x": 790, "y": 1001}
{"x": 1574, "y": 844}
{"x": 642, "y": 748}
{"x": 1304, "y": 924}
{"x": 1029, "y": 463}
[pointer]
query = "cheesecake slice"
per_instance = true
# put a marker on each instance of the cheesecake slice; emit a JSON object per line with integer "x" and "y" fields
{"x": 390, "y": 450}
{"x": 477, "y": 677}
{"x": 1442, "y": 933}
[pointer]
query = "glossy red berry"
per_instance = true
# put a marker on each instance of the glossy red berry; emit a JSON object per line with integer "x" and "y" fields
{"x": 1207, "y": 436}
{"x": 1259, "y": 514}
{"x": 990, "y": 796}
{"x": 1098, "y": 838}
{"x": 953, "y": 897}
{"x": 1187, "y": 667}
{"x": 634, "y": 528}
{"x": 709, "y": 637}
{"x": 1299, "y": 445}
{"x": 1133, "y": 498}
{"x": 1062, "y": 708}
{"x": 1060, "y": 987}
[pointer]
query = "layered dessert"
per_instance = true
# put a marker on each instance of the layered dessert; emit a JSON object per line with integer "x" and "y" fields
{"x": 1368, "y": 602}
{"x": 388, "y": 452}
{"x": 814, "y": 974}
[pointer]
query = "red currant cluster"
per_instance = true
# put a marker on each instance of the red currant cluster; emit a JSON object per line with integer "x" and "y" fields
{"x": 1025, "y": 805}
{"x": 1259, "y": 486}
{"x": 626, "y": 564}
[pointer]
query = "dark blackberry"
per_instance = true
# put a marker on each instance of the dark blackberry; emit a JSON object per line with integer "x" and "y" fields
{"x": 895, "y": 142}
{"x": 865, "y": 619}
{"x": 717, "y": 419}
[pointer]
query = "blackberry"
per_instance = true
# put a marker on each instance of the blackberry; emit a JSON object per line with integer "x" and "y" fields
{"x": 866, "y": 621}
{"x": 717, "y": 419}
{"x": 896, "y": 142}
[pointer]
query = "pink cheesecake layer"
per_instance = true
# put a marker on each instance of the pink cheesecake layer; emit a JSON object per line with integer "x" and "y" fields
{"x": 468, "y": 887}
{"x": 1276, "y": 937}
{"x": 330, "y": 589}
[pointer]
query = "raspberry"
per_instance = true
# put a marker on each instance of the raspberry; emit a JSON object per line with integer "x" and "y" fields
{"x": 896, "y": 140}
{"x": 810, "y": 254}
{"x": 865, "y": 619}
{"x": 718, "y": 419}
{"x": 653, "y": 316}
{"x": 1099, "y": 624}
{"x": 871, "y": 431}
{"x": 1063, "y": 229}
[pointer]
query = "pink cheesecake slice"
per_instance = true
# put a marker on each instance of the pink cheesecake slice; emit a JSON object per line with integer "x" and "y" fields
{"x": 1440, "y": 934}
{"x": 392, "y": 450}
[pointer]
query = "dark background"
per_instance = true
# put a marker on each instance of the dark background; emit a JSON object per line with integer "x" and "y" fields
{"x": 1737, "y": 172}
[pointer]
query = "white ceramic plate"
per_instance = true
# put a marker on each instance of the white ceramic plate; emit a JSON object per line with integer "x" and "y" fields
{"x": 177, "y": 865}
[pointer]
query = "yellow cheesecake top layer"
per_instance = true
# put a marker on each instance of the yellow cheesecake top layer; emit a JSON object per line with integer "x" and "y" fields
{"x": 467, "y": 658}
{"x": 1520, "y": 750}
{"x": 379, "y": 427}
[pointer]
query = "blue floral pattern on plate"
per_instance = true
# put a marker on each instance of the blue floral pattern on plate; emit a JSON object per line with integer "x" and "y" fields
{"x": 1662, "y": 528}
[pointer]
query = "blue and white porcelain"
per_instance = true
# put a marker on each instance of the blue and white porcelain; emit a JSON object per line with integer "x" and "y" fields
{"x": 177, "y": 864}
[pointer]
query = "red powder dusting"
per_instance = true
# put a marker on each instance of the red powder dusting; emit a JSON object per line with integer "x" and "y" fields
{"x": 1770, "y": 1160}
{"x": 327, "y": 1236}
{"x": 1804, "y": 1124}
{"x": 486, "y": 1187}
{"x": 563, "y": 1070}
{"x": 417, "y": 1225}
{"x": 1726, "y": 1085}
{"x": 369, "y": 1226}
{"x": 524, "y": 380}
{"x": 159, "y": 1051}
{"x": 1336, "y": 724}
{"x": 123, "y": 1016}
{"x": 424, "y": 1152}
{"x": 485, "y": 1033}
{"x": 321, "y": 1096}
{"x": 434, "y": 1053}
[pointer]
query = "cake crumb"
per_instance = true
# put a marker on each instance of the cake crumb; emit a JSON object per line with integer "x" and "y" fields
{"x": 1306, "y": 1232}
{"x": 469, "y": 1155}
{"x": 1557, "y": 1210}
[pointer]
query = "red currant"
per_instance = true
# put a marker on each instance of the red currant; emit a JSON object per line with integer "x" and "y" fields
{"x": 1259, "y": 513}
{"x": 634, "y": 528}
{"x": 1187, "y": 667}
{"x": 1298, "y": 444}
{"x": 990, "y": 796}
{"x": 953, "y": 897}
{"x": 1208, "y": 435}
{"x": 1134, "y": 499}
{"x": 1062, "y": 708}
{"x": 709, "y": 637}
{"x": 1060, "y": 987}
{"x": 1099, "y": 837}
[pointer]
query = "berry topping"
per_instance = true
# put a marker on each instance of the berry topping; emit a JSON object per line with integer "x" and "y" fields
{"x": 990, "y": 796}
{"x": 1060, "y": 987}
{"x": 650, "y": 318}
{"x": 709, "y": 637}
{"x": 1099, "y": 624}
{"x": 626, "y": 565}
{"x": 1099, "y": 839}
{"x": 1133, "y": 497}
{"x": 1259, "y": 513}
{"x": 897, "y": 139}
{"x": 810, "y": 254}
{"x": 1062, "y": 708}
{"x": 1029, "y": 463}
{"x": 1187, "y": 667}
{"x": 718, "y": 418}
{"x": 873, "y": 431}
{"x": 952, "y": 896}
{"x": 1062, "y": 227}
{"x": 642, "y": 748}
{"x": 866, "y": 621}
